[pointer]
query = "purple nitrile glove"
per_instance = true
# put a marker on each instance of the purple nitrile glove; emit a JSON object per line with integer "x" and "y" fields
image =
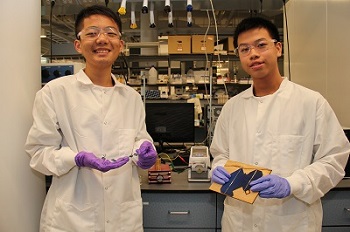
{"x": 271, "y": 186}
{"x": 147, "y": 155}
{"x": 87, "y": 159}
{"x": 220, "y": 175}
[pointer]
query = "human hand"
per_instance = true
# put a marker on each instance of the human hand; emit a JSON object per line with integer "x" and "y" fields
{"x": 87, "y": 159}
{"x": 220, "y": 175}
{"x": 147, "y": 155}
{"x": 271, "y": 186}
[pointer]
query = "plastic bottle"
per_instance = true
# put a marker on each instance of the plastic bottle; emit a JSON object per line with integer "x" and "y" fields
{"x": 190, "y": 76}
{"x": 152, "y": 76}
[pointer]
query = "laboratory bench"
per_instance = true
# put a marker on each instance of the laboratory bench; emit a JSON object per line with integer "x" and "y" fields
{"x": 180, "y": 205}
{"x": 190, "y": 206}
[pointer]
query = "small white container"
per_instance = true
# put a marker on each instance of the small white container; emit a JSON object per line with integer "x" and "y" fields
{"x": 152, "y": 76}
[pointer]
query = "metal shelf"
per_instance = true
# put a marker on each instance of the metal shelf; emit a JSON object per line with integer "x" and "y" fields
{"x": 177, "y": 57}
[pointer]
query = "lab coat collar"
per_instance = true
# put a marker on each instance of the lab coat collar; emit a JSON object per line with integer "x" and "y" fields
{"x": 249, "y": 93}
{"x": 85, "y": 80}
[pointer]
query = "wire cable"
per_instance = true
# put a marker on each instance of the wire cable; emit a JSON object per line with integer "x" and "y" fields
{"x": 217, "y": 37}
{"x": 209, "y": 132}
{"x": 215, "y": 24}
{"x": 166, "y": 158}
{"x": 206, "y": 58}
{"x": 205, "y": 39}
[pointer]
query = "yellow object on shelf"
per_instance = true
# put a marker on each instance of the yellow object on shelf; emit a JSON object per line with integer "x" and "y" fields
{"x": 122, "y": 11}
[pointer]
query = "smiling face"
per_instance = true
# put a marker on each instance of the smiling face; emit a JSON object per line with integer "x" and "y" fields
{"x": 260, "y": 64}
{"x": 102, "y": 51}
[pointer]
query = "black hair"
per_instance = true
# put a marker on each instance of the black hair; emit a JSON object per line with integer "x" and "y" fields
{"x": 96, "y": 10}
{"x": 253, "y": 23}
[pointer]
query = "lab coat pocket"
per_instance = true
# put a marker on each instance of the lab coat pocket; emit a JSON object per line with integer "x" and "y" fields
{"x": 296, "y": 221}
{"x": 68, "y": 217}
{"x": 232, "y": 217}
{"x": 131, "y": 216}
{"x": 289, "y": 157}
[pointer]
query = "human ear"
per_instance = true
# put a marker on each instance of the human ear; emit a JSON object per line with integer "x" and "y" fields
{"x": 77, "y": 45}
{"x": 279, "y": 49}
{"x": 121, "y": 48}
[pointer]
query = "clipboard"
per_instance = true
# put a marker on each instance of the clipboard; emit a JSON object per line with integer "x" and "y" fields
{"x": 238, "y": 186}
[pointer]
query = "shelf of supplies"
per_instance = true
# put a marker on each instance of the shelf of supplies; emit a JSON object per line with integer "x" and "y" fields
{"x": 177, "y": 57}
{"x": 143, "y": 58}
{"x": 142, "y": 45}
{"x": 191, "y": 84}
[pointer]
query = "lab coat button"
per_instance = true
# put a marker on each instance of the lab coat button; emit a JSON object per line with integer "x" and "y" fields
{"x": 105, "y": 123}
{"x": 106, "y": 188}
{"x": 256, "y": 163}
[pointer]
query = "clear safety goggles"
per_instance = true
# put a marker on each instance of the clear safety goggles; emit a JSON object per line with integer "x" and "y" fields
{"x": 92, "y": 33}
{"x": 259, "y": 46}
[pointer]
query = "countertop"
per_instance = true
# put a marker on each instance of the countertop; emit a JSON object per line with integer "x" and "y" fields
{"x": 179, "y": 183}
{"x": 345, "y": 183}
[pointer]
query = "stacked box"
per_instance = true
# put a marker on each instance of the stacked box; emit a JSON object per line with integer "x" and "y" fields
{"x": 202, "y": 44}
{"x": 179, "y": 44}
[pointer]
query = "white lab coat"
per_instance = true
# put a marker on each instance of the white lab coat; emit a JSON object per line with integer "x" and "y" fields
{"x": 295, "y": 133}
{"x": 71, "y": 114}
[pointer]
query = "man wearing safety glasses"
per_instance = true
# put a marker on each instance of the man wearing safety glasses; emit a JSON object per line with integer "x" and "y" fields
{"x": 281, "y": 126}
{"x": 87, "y": 126}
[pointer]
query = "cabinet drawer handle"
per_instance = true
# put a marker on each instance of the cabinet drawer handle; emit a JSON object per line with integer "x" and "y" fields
{"x": 179, "y": 212}
{"x": 347, "y": 209}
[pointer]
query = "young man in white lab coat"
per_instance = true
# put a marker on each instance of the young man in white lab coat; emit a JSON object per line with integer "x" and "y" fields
{"x": 281, "y": 126}
{"x": 85, "y": 128}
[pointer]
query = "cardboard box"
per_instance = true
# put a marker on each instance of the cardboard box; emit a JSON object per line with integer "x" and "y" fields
{"x": 228, "y": 44}
{"x": 179, "y": 44}
{"x": 202, "y": 44}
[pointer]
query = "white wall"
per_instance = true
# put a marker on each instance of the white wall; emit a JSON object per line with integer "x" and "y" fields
{"x": 319, "y": 31}
{"x": 22, "y": 191}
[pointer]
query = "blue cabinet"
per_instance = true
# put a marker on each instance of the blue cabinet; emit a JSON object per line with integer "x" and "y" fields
{"x": 192, "y": 207}
{"x": 336, "y": 211}
{"x": 179, "y": 211}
